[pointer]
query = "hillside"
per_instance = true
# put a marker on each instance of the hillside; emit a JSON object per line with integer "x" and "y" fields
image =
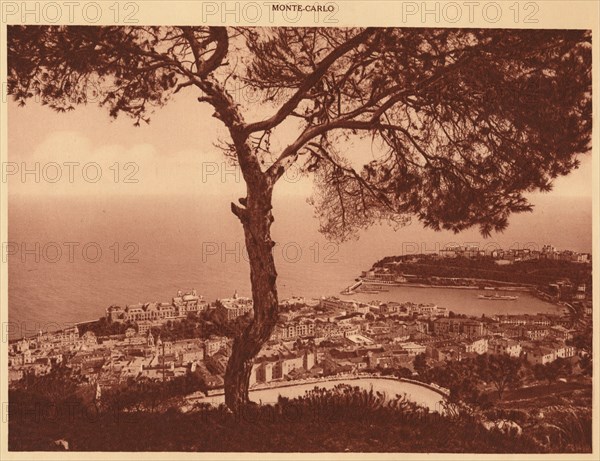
{"x": 338, "y": 420}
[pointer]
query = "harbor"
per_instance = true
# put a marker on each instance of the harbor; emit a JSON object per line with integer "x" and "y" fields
{"x": 472, "y": 301}
{"x": 497, "y": 297}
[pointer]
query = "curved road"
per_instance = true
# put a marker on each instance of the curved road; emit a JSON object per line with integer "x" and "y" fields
{"x": 419, "y": 393}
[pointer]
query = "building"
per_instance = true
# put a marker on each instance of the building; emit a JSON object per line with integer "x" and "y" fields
{"x": 333, "y": 303}
{"x": 450, "y": 252}
{"x": 328, "y": 329}
{"x": 412, "y": 348}
{"x": 361, "y": 308}
{"x": 14, "y": 374}
{"x": 151, "y": 312}
{"x": 189, "y": 351}
{"x": 534, "y": 333}
{"x": 446, "y": 327}
{"x": 186, "y": 303}
{"x": 561, "y": 332}
{"x": 547, "y": 354}
{"x": 538, "y": 320}
{"x": 214, "y": 344}
{"x": 564, "y": 351}
{"x": 473, "y": 328}
{"x": 357, "y": 339}
{"x": 460, "y": 251}
{"x": 21, "y": 345}
{"x": 22, "y": 358}
{"x": 66, "y": 337}
{"x": 390, "y": 308}
{"x": 294, "y": 330}
{"x": 478, "y": 346}
{"x": 180, "y": 306}
{"x": 144, "y": 327}
{"x": 505, "y": 346}
{"x": 89, "y": 339}
{"x": 540, "y": 355}
{"x": 430, "y": 310}
{"x": 278, "y": 366}
{"x": 446, "y": 353}
{"x": 234, "y": 307}
{"x": 456, "y": 326}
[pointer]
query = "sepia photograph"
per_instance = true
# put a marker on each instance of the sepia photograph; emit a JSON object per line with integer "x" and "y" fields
{"x": 226, "y": 235}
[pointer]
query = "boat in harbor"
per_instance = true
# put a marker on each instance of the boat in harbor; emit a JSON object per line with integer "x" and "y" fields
{"x": 497, "y": 297}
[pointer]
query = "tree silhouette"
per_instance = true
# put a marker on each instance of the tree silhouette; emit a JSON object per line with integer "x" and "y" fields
{"x": 552, "y": 371}
{"x": 420, "y": 364}
{"x": 502, "y": 371}
{"x": 464, "y": 121}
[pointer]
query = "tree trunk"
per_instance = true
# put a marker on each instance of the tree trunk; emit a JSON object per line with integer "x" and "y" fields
{"x": 256, "y": 219}
{"x": 500, "y": 390}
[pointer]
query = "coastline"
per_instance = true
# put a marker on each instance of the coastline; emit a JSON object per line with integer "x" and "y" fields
{"x": 465, "y": 287}
{"x": 523, "y": 289}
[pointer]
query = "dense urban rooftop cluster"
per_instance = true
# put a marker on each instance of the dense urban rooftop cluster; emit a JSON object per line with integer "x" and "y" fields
{"x": 529, "y": 252}
{"x": 314, "y": 338}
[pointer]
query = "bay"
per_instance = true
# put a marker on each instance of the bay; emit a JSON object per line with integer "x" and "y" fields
{"x": 152, "y": 246}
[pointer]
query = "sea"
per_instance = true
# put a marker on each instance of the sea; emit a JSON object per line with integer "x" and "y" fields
{"x": 69, "y": 258}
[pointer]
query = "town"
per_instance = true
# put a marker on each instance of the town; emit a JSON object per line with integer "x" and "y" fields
{"x": 557, "y": 276}
{"x": 315, "y": 338}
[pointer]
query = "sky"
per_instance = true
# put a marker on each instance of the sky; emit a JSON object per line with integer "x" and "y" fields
{"x": 101, "y": 160}
{"x": 87, "y": 152}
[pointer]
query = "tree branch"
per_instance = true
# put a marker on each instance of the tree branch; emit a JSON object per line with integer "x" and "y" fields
{"x": 309, "y": 83}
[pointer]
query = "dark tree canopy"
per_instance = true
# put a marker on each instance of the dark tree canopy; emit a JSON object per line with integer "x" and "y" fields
{"x": 465, "y": 121}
